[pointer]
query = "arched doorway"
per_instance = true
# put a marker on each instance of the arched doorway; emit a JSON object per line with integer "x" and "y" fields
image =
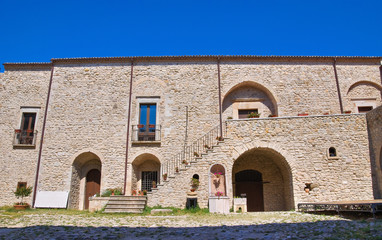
{"x": 93, "y": 183}
{"x": 249, "y": 183}
{"x": 265, "y": 178}
{"x": 85, "y": 181}
{"x": 146, "y": 169}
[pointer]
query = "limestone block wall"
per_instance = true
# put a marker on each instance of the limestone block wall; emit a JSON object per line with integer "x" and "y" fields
{"x": 350, "y": 74}
{"x": 87, "y": 113}
{"x": 374, "y": 122}
{"x": 20, "y": 88}
{"x": 303, "y": 143}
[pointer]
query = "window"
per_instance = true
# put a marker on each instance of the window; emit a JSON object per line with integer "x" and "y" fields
{"x": 364, "y": 109}
{"x": 332, "y": 153}
{"x": 147, "y": 127}
{"x": 147, "y": 122}
{"x": 25, "y": 135}
{"x": 21, "y": 184}
{"x": 244, "y": 113}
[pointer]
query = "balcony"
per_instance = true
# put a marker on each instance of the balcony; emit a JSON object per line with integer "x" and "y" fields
{"x": 146, "y": 133}
{"x": 24, "y": 138}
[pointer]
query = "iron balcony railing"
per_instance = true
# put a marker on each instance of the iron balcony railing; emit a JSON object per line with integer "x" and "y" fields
{"x": 146, "y": 133}
{"x": 24, "y": 137}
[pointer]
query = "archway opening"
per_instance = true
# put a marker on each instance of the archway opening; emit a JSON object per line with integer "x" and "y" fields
{"x": 85, "y": 181}
{"x": 146, "y": 169}
{"x": 264, "y": 177}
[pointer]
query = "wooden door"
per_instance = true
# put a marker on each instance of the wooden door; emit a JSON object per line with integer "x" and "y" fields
{"x": 93, "y": 180}
{"x": 249, "y": 182}
{"x": 254, "y": 193}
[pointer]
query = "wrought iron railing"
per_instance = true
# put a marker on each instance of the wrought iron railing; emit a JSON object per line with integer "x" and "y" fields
{"x": 147, "y": 133}
{"x": 192, "y": 152}
{"x": 24, "y": 137}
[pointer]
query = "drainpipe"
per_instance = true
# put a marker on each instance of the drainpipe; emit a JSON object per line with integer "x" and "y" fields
{"x": 128, "y": 124}
{"x": 42, "y": 137}
{"x": 220, "y": 100}
{"x": 338, "y": 85}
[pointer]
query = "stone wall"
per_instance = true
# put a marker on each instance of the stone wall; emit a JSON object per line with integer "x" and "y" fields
{"x": 88, "y": 112}
{"x": 299, "y": 145}
{"x": 20, "y": 89}
{"x": 374, "y": 122}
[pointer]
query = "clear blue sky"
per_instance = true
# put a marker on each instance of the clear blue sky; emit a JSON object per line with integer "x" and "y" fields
{"x": 36, "y": 31}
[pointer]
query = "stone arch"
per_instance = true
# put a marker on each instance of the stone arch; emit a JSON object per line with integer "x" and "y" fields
{"x": 363, "y": 96}
{"x": 248, "y": 95}
{"x": 82, "y": 164}
{"x": 145, "y": 169}
{"x": 276, "y": 186}
{"x": 367, "y": 83}
{"x": 217, "y": 183}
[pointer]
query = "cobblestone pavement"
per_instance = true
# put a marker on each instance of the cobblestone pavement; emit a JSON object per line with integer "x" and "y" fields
{"x": 268, "y": 225}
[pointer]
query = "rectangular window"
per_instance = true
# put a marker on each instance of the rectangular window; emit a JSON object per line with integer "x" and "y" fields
{"x": 147, "y": 122}
{"x": 27, "y": 128}
{"x": 21, "y": 184}
{"x": 364, "y": 109}
{"x": 244, "y": 113}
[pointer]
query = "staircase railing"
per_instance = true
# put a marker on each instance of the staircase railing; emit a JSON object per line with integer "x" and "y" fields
{"x": 193, "y": 151}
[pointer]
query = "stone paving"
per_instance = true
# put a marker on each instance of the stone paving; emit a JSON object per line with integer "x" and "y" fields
{"x": 268, "y": 225}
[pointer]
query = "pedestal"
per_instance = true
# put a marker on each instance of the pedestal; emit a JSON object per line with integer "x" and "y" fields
{"x": 218, "y": 205}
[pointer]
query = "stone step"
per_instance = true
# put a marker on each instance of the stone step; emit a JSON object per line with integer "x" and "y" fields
{"x": 127, "y": 202}
{"x": 121, "y": 197}
{"x": 123, "y": 211}
{"x": 125, "y": 206}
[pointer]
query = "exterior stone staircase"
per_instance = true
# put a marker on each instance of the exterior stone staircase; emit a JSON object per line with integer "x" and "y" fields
{"x": 194, "y": 154}
{"x": 126, "y": 204}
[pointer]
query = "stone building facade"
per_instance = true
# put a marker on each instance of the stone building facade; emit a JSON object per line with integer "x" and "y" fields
{"x": 126, "y": 122}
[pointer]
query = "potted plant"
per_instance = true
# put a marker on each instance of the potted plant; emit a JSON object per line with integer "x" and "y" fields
{"x": 253, "y": 115}
{"x": 206, "y": 146}
{"x": 165, "y": 176}
{"x": 17, "y": 130}
{"x": 140, "y": 125}
{"x": 196, "y": 154}
{"x": 151, "y": 125}
{"x": 184, "y": 162}
{"x": 303, "y": 114}
{"x": 22, "y": 192}
{"x": 134, "y": 193}
{"x": 154, "y": 184}
{"x": 177, "y": 169}
{"x": 347, "y": 112}
{"x": 220, "y": 139}
{"x": 195, "y": 183}
{"x": 272, "y": 115}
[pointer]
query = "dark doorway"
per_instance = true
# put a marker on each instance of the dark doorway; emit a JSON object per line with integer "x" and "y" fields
{"x": 249, "y": 182}
{"x": 93, "y": 180}
{"x": 148, "y": 177}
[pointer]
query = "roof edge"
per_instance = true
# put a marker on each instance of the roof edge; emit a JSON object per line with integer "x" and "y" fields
{"x": 196, "y": 57}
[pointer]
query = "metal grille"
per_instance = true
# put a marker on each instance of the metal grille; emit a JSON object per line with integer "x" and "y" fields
{"x": 147, "y": 180}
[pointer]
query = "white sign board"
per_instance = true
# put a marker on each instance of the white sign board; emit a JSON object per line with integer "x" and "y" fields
{"x": 49, "y": 199}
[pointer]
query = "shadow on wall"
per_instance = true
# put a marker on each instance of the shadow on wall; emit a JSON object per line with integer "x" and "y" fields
{"x": 339, "y": 229}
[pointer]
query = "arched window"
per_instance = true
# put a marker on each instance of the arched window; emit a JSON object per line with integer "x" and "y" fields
{"x": 332, "y": 153}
